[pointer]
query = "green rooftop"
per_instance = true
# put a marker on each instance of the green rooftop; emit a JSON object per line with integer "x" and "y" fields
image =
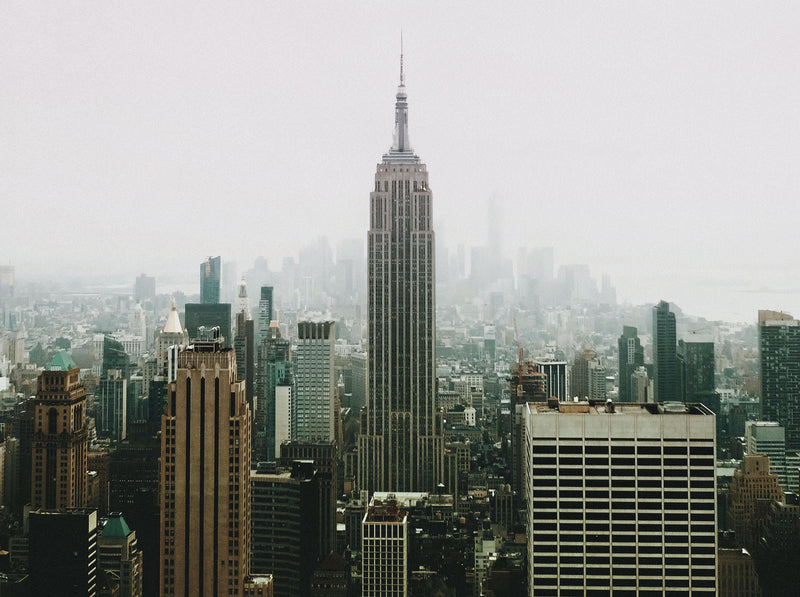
{"x": 62, "y": 362}
{"x": 116, "y": 527}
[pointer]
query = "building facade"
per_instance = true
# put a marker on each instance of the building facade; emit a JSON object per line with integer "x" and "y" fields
{"x": 278, "y": 519}
{"x": 205, "y": 478}
{"x": 210, "y": 278}
{"x": 401, "y": 447}
{"x": 62, "y": 552}
{"x": 631, "y": 357}
{"x": 779, "y": 344}
{"x": 209, "y": 316}
{"x": 313, "y": 406}
{"x": 274, "y": 382}
{"x": 265, "y": 313}
{"x": 753, "y": 486}
{"x": 556, "y": 372}
{"x": 667, "y": 379}
{"x": 384, "y": 550}
{"x": 120, "y": 555}
{"x": 621, "y": 499}
{"x": 59, "y": 446}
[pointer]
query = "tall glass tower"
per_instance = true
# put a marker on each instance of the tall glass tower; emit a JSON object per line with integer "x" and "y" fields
{"x": 401, "y": 447}
{"x": 665, "y": 355}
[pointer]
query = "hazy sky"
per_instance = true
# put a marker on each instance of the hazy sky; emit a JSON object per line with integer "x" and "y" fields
{"x": 657, "y": 142}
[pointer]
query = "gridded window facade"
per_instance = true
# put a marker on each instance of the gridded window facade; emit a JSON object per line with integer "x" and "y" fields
{"x": 620, "y": 503}
{"x": 384, "y": 544}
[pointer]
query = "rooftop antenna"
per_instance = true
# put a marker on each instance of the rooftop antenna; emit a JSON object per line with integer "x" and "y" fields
{"x": 402, "y": 78}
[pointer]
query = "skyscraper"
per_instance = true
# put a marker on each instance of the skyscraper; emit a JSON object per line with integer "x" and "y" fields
{"x": 265, "y": 314}
{"x": 278, "y": 521}
{"x": 621, "y": 499}
{"x": 556, "y": 372}
{"x": 205, "y": 477}
{"x": 631, "y": 357}
{"x": 667, "y": 379}
{"x": 313, "y": 400}
{"x": 63, "y": 552}
{"x": 59, "y": 438}
{"x": 245, "y": 347}
{"x": 210, "y": 277}
{"x": 208, "y": 316}
{"x": 273, "y": 376}
{"x": 144, "y": 291}
{"x": 579, "y": 381}
{"x": 401, "y": 446}
{"x": 779, "y": 344}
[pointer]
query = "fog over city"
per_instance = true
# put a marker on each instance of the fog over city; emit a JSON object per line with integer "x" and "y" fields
{"x": 655, "y": 142}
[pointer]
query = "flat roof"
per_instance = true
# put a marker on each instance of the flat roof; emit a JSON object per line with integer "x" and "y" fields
{"x": 619, "y": 408}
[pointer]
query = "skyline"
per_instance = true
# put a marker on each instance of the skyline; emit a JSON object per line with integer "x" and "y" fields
{"x": 632, "y": 137}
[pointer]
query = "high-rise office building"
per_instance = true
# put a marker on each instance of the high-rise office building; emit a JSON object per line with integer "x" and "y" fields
{"x": 58, "y": 477}
{"x": 63, "y": 552}
{"x": 579, "y": 382}
{"x": 779, "y": 344}
{"x": 313, "y": 399}
{"x": 244, "y": 343}
{"x": 631, "y": 357}
{"x": 641, "y": 387}
{"x": 556, "y": 372}
{"x": 401, "y": 447}
{"x": 209, "y": 316}
{"x": 265, "y": 314}
{"x": 6, "y": 281}
{"x": 205, "y": 478}
{"x": 597, "y": 381}
{"x": 210, "y": 277}
{"x": 667, "y": 379}
{"x": 384, "y": 550}
{"x": 111, "y": 406}
{"x": 621, "y": 498}
{"x": 325, "y": 458}
{"x": 285, "y": 525}
{"x": 274, "y": 391}
{"x": 769, "y": 438}
{"x": 753, "y": 486}
{"x": 697, "y": 367}
{"x": 144, "y": 291}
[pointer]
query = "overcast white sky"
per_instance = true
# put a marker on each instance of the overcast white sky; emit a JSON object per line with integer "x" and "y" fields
{"x": 657, "y": 142}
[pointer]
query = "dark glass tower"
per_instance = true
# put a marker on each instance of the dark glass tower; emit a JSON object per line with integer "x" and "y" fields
{"x": 210, "y": 276}
{"x": 779, "y": 344}
{"x": 631, "y": 357}
{"x": 401, "y": 446}
{"x": 667, "y": 382}
{"x": 274, "y": 369}
{"x": 697, "y": 367}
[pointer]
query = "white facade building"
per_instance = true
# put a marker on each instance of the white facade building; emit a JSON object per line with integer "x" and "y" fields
{"x": 384, "y": 545}
{"x": 313, "y": 399}
{"x": 621, "y": 498}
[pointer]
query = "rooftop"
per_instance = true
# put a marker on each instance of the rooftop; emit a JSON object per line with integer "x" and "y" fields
{"x": 617, "y": 408}
{"x": 115, "y": 527}
{"x": 61, "y": 362}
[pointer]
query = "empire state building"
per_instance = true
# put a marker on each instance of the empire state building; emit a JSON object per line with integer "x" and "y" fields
{"x": 401, "y": 445}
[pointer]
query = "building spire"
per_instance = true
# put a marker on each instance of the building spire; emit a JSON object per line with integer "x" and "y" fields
{"x": 402, "y": 77}
{"x": 401, "y": 146}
